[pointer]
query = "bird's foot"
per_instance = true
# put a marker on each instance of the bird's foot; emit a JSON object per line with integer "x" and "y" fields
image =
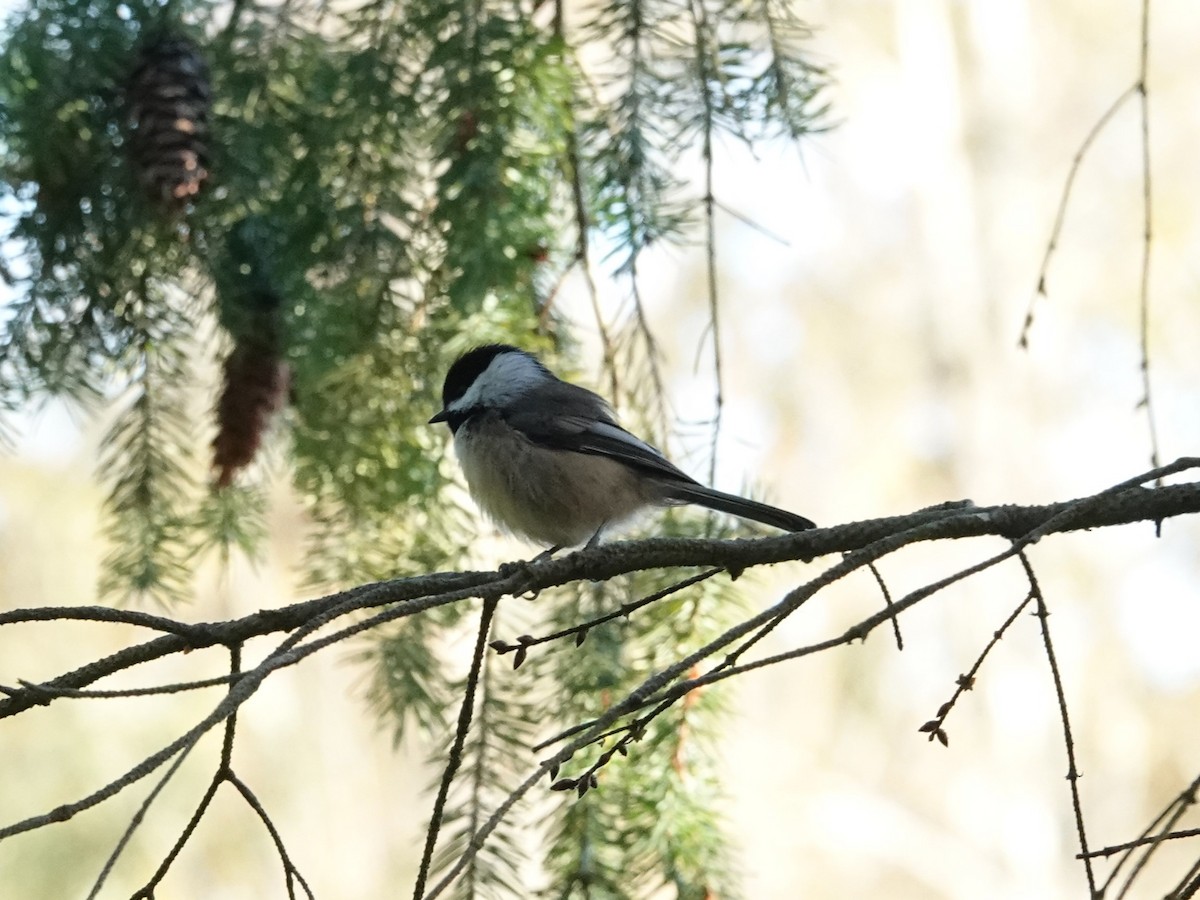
{"x": 522, "y": 566}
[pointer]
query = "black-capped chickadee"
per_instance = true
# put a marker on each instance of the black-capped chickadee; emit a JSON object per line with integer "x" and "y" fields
{"x": 547, "y": 460}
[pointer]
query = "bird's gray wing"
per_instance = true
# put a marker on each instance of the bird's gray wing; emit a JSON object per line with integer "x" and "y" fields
{"x": 568, "y": 417}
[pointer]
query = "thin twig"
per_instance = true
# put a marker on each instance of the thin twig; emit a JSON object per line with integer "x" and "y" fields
{"x": 454, "y": 760}
{"x": 1061, "y": 214}
{"x": 966, "y": 682}
{"x": 1184, "y": 801}
{"x": 1144, "y": 308}
{"x": 757, "y": 226}
{"x": 887, "y": 601}
{"x": 581, "y": 630}
{"x": 478, "y": 770}
{"x": 1043, "y": 615}
{"x": 582, "y": 229}
{"x": 757, "y": 627}
{"x": 138, "y": 818}
{"x": 550, "y": 296}
{"x": 224, "y": 773}
{"x": 51, "y": 693}
{"x": 1156, "y": 831}
{"x": 1142, "y": 842}
{"x": 1189, "y": 885}
{"x": 650, "y": 344}
{"x": 704, "y": 75}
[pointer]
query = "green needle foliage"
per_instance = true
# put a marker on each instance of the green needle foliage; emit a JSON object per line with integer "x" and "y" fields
{"x": 368, "y": 190}
{"x": 146, "y": 451}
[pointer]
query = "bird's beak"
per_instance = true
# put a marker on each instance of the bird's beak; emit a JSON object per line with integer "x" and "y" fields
{"x": 440, "y": 417}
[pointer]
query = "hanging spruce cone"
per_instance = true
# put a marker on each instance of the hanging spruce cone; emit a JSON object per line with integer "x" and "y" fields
{"x": 256, "y": 386}
{"x": 169, "y": 98}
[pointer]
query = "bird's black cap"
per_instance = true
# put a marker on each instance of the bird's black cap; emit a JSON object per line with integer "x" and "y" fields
{"x": 468, "y": 367}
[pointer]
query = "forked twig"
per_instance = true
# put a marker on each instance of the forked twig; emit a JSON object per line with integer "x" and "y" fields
{"x": 146, "y": 892}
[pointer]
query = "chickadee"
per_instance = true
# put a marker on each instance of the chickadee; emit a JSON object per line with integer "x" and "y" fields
{"x": 547, "y": 460}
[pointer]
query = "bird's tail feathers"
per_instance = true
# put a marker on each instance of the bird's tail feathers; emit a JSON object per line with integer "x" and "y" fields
{"x": 738, "y": 506}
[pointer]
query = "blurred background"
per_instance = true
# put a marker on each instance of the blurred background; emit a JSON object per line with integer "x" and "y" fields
{"x": 870, "y": 330}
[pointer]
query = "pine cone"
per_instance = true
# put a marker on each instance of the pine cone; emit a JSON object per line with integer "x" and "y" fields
{"x": 256, "y": 386}
{"x": 169, "y": 98}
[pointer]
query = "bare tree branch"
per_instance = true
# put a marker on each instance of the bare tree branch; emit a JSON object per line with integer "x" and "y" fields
{"x": 308, "y": 627}
{"x": 234, "y": 631}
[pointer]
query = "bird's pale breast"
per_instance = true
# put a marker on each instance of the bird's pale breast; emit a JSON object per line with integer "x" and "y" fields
{"x": 551, "y": 497}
